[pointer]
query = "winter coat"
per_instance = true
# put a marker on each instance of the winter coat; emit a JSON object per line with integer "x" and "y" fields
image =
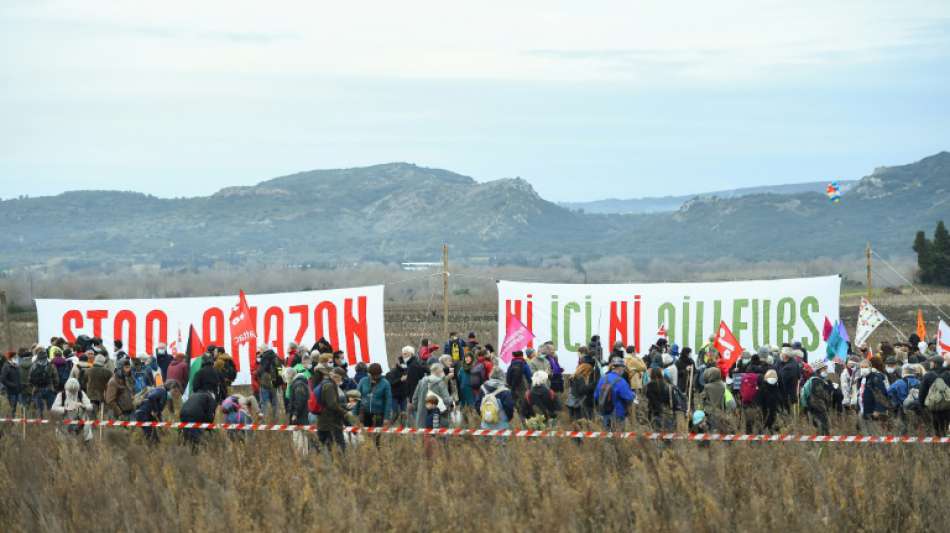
{"x": 10, "y": 378}
{"x": 118, "y": 395}
{"x": 622, "y": 394}
{"x": 789, "y": 376}
{"x": 72, "y": 405}
{"x": 821, "y": 396}
{"x": 151, "y": 409}
{"x": 178, "y": 371}
{"x": 206, "y": 379}
{"x": 333, "y": 413}
{"x": 770, "y": 400}
{"x": 541, "y": 400}
{"x": 582, "y": 385}
{"x": 397, "y": 385}
{"x": 713, "y": 397}
{"x": 635, "y": 369}
{"x": 557, "y": 374}
{"x": 900, "y": 389}
{"x": 518, "y": 366}
{"x": 376, "y": 398}
{"x": 433, "y": 384}
{"x": 466, "y": 393}
{"x": 26, "y": 363}
{"x": 929, "y": 378}
{"x": 658, "y": 400}
{"x": 415, "y": 371}
{"x": 53, "y": 376}
{"x": 874, "y": 398}
{"x": 97, "y": 380}
{"x": 199, "y": 407}
{"x": 540, "y": 363}
{"x": 299, "y": 397}
{"x": 683, "y": 363}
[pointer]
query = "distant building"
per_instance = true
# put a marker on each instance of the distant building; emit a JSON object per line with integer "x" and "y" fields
{"x": 417, "y": 267}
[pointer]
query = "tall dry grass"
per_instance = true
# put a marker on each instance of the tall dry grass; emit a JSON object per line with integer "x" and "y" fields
{"x": 473, "y": 484}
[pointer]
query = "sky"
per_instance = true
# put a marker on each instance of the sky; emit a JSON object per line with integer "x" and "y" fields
{"x": 585, "y": 100}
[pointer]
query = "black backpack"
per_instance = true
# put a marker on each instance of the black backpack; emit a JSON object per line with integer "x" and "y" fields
{"x": 515, "y": 377}
{"x": 39, "y": 375}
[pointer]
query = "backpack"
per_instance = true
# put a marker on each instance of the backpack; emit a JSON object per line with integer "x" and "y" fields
{"x": 749, "y": 388}
{"x": 139, "y": 381}
{"x": 912, "y": 401}
{"x": 550, "y": 398}
{"x": 605, "y": 401}
{"x": 728, "y": 399}
{"x": 491, "y": 408}
{"x": 805, "y": 397}
{"x": 230, "y": 404}
{"x": 938, "y": 398}
{"x": 39, "y": 375}
{"x": 515, "y": 377}
{"x": 313, "y": 404}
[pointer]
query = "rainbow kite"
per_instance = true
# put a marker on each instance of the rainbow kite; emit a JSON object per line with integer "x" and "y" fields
{"x": 834, "y": 192}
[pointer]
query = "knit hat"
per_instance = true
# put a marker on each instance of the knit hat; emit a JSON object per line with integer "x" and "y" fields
{"x": 771, "y": 373}
{"x": 922, "y": 347}
{"x": 907, "y": 370}
{"x": 354, "y": 394}
{"x": 763, "y": 352}
{"x": 100, "y": 360}
{"x": 617, "y": 362}
{"x": 675, "y": 349}
{"x": 698, "y": 417}
{"x": 340, "y": 372}
{"x": 375, "y": 369}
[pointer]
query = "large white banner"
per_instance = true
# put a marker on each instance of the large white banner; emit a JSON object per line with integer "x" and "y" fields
{"x": 350, "y": 319}
{"x": 758, "y": 313}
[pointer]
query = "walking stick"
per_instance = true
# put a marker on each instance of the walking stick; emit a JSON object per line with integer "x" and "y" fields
{"x": 689, "y": 392}
{"x": 101, "y": 410}
{"x": 23, "y": 417}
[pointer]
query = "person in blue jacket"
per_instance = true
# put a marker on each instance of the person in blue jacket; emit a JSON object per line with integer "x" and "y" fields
{"x": 621, "y": 395}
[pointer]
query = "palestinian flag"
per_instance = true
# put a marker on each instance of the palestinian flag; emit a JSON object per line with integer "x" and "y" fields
{"x": 193, "y": 352}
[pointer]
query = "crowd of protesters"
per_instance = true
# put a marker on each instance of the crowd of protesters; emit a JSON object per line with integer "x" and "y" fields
{"x": 900, "y": 388}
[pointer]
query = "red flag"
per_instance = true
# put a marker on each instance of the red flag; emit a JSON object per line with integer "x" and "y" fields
{"x": 826, "y": 330}
{"x": 195, "y": 347}
{"x": 662, "y": 331}
{"x": 242, "y": 328}
{"x": 921, "y": 328}
{"x": 728, "y": 346}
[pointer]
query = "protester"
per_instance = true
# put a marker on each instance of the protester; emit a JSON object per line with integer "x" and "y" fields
{"x": 717, "y": 402}
{"x": 44, "y": 380}
{"x": 541, "y": 400}
{"x": 333, "y": 412}
{"x": 769, "y": 399}
{"x": 207, "y": 378}
{"x": 434, "y": 382}
{"x": 495, "y": 405}
{"x": 613, "y": 395}
{"x": 10, "y": 379}
{"x": 580, "y": 391}
{"x": 73, "y": 404}
{"x": 398, "y": 378}
{"x": 199, "y": 408}
{"x": 150, "y": 410}
{"x": 118, "y": 395}
{"x": 454, "y": 347}
{"x": 97, "y": 381}
{"x": 376, "y": 400}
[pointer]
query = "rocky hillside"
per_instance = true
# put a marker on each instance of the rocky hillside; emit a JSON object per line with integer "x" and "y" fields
{"x": 399, "y": 211}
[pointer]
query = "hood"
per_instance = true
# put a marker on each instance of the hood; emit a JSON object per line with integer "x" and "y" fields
{"x": 712, "y": 375}
{"x": 494, "y": 384}
{"x": 432, "y": 379}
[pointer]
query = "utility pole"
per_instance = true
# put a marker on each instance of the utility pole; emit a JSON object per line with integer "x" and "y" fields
{"x": 8, "y": 336}
{"x": 867, "y": 253}
{"x": 445, "y": 291}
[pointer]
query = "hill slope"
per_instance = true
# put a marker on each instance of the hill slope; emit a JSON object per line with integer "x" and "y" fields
{"x": 399, "y": 211}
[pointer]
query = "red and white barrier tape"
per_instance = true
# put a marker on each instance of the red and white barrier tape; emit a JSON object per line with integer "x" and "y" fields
{"x": 506, "y": 433}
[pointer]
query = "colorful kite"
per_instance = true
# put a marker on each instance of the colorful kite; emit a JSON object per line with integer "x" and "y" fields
{"x": 834, "y": 192}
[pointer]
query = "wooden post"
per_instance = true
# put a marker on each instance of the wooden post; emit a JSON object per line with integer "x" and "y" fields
{"x": 689, "y": 393}
{"x": 6, "y": 321}
{"x": 867, "y": 253}
{"x": 445, "y": 291}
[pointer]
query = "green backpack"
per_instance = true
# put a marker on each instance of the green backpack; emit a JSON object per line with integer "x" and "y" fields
{"x": 938, "y": 397}
{"x": 805, "y": 396}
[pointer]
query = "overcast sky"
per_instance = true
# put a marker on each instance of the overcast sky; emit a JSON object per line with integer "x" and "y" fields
{"x": 585, "y": 100}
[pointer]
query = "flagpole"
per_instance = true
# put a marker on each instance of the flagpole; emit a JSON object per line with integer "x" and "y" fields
{"x": 903, "y": 337}
{"x": 868, "y": 254}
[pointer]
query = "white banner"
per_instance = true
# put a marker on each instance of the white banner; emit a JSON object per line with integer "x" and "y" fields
{"x": 758, "y": 313}
{"x": 350, "y": 319}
